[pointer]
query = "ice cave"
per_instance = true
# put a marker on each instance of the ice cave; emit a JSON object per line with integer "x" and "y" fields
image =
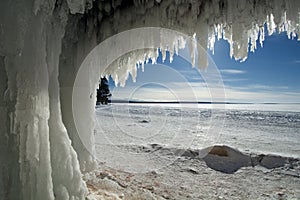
{"x": 43, "y": 44}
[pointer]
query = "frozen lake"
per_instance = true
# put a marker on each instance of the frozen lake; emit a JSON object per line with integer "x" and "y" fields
{"x": 247, "y": 128}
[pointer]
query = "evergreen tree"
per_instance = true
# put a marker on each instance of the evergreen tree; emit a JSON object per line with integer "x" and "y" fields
{"x": 103, "y": 93}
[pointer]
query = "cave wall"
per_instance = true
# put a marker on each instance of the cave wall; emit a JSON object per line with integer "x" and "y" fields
{"x": 37, "y": 161}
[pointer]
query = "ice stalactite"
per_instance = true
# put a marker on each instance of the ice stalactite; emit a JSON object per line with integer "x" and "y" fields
{"x": 38, "y": 159}
{"x": 242, "y": 23}
{"x": 76, "y": 44}
{"x": 128, "y": 63}
{"x": 67, "y": 179}
{"x": 28, "y": 155}
{"x": 32, "y": 112}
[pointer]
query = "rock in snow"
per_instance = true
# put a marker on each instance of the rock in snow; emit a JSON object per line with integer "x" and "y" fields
{"x": 42, "y": 46}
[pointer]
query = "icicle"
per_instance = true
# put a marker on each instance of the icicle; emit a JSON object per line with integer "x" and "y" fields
{"x": 262, "y": 36}
{"x": 164, "y": 54}
{"x": 212, "y": 40}
{"x": 271, "y": 24}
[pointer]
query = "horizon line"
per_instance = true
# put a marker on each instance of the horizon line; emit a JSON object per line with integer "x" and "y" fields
{"x": 194, "y": 102}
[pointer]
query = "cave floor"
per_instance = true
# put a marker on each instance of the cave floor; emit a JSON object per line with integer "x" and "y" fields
{"x": 188, "y": 178}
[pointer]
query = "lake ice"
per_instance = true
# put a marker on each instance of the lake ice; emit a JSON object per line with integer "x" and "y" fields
{"x": 253, "y": 129}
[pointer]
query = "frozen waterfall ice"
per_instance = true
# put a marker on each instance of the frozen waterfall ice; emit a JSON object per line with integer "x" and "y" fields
{"x": 42, "y": 46}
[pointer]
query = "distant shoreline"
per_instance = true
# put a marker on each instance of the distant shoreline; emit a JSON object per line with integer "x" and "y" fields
{"x": 189, "y": 102}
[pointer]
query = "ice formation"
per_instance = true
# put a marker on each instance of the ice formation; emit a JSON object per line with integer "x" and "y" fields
{"x": 42, "y": 46}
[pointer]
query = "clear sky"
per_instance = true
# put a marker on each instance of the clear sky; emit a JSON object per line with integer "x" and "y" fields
{"x": 270, "y": 74}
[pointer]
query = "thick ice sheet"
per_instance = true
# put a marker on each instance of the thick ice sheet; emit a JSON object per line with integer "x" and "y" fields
{"x": 251, "y": 131}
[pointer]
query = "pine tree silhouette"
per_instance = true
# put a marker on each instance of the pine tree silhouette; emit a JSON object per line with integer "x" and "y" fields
{"x": 103, "y": 93}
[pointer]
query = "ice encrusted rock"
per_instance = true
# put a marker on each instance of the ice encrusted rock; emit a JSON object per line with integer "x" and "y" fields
{"x": 43, "y": 40}
{"x": 39, "y": 161}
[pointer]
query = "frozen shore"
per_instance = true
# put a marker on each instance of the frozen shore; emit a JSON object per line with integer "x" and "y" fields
{"x": 218, "y": 172}
{"x": 161, "y": 152}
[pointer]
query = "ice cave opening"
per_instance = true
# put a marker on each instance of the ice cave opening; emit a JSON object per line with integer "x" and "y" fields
{"x": 133, "y": 48}
{"x": 43, "y": 45}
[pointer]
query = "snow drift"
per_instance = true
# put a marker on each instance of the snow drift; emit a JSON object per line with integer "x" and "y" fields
{"x": 42, "y": 46}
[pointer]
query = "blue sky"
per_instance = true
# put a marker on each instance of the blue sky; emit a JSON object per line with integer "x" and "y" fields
{"x": 270, "y": 74}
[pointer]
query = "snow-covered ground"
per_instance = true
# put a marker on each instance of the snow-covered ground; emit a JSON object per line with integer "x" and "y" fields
{"x": 191, "y": 179}
{"x": 161, "y": 151}
{"x": 187, "y": 126}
